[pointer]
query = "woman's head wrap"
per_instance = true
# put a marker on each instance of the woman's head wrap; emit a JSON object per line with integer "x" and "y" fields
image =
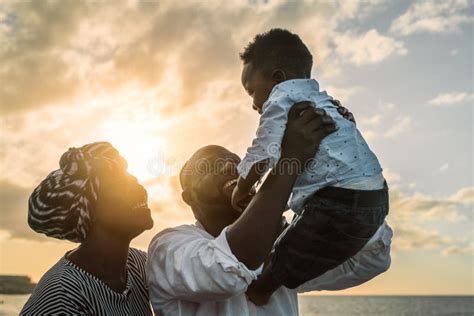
{"x": 63, "y": 205}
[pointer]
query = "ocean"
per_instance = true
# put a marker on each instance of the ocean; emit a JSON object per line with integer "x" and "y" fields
{"x": 386, "y": 305}
{"x": 339, "y": 305}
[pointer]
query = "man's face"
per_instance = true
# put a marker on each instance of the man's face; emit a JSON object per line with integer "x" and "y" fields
{"x": 213, "y": 174}
{"x": 210, "y": 177}
{"x": 257, "y": 85}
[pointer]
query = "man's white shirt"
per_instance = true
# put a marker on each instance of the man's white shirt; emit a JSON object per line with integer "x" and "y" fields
{"x": 192, "y": 273}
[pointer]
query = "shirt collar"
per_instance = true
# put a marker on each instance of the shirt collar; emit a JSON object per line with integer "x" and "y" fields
{"x": 297, "y": 84}
{"x": 290, "y": 87}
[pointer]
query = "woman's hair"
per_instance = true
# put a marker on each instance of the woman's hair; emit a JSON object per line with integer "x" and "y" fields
{"x": 63, "y": 204}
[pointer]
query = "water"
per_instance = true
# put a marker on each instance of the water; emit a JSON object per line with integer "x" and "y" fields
{"x": 386, "y": 305}
{"x": 12, "y": 304}
{"x": 339, "y": 305}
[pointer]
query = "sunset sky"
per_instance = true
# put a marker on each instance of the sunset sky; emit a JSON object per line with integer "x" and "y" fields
{"x": 159, "y": 79}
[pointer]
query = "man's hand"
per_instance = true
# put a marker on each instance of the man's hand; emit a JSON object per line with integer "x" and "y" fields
{"x": 343, "y": 111}
{"x": 306, "y": 128}
{"x": 241, "y": 199}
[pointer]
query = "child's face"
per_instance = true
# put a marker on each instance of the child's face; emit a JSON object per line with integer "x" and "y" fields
{"x": 257, "y": 86}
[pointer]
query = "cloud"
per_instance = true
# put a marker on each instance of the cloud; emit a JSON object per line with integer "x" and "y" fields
{"x": 466, "y": 249}
{"x": 371, "y": 120}
{"x": 32, "y": 36}
{"x": 412, "y": 216}
{"x": 451, "y": 98}
{"x": 56, "y": 51}
{"x": 69, "y": 46}
{"x": 343, "y": 94}
{"x": 421, "y": 208}
{"x": 387, "y": 106}
{"x": 463, "y": 196}
{"x": 368, "y": 48}
{"x": 14, "y": 204}
{"x": 410, "y": 237}
{"x": 444, "y": 167}
{"x": 438, "y": 16}
{"x": 360, "y": 9}
{"x": 393, "y": 126}
{"x": 370, "y": 125}
{"x": 392, "y": 177}
{"x": 401, "y": 125}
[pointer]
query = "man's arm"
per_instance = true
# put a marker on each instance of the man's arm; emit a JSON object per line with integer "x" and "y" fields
{"x": 252, "y": 235}
{"x": 369, "y": 262}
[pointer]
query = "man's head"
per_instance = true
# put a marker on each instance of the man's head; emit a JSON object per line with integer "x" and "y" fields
{"x": 273, "y": 57}
{"x": 208, "y": 179}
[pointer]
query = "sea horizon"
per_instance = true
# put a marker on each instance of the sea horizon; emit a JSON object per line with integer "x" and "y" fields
{"x": 340, "y": 305}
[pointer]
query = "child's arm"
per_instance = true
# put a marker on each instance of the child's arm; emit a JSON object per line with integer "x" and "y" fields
{"x": 265, "y": 149}
{"x": 242, "y": 190}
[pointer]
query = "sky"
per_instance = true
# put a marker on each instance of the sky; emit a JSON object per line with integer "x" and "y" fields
{"x": 159, "y": 79}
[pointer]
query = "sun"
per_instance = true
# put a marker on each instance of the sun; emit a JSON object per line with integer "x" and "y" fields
{"x": 137, "y": 142}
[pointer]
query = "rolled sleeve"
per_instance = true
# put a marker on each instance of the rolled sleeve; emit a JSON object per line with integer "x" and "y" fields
{"x": 187, "y": 266}
{"x": 229, "y": 262}
{"x": 369, "y": 262}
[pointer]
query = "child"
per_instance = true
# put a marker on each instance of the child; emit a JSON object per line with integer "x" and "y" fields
{"x": 340, "y": 199}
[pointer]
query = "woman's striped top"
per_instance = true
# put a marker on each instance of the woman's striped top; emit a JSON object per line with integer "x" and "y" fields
{"x": 66, "y": 289}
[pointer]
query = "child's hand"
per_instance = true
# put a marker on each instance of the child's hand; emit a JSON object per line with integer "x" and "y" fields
{"x": 343, "y": 111}
{"x": 240, "y": 199}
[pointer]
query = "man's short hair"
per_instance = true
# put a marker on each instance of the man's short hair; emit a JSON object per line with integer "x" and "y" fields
{"x": 197, "y": 165}
{"x": 278, "y": 48}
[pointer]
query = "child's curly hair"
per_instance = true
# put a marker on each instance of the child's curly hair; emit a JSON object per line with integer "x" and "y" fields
{"x": 279, "y": 48}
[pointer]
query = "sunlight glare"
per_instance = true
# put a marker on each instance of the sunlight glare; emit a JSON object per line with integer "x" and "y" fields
{"x": 136, "y": 142}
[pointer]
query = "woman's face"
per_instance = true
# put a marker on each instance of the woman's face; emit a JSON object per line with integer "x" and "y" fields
{"x": 122, "y": 205}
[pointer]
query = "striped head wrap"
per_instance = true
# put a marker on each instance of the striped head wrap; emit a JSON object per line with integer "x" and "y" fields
{"x": 62, "y": 206}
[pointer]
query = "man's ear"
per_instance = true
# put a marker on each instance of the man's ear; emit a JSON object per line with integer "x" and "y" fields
{"x": 187, "y": 197}
{"x": 278, "y": 75}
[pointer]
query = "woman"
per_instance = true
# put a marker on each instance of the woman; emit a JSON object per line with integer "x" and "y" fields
{"x": 92, "y": 200}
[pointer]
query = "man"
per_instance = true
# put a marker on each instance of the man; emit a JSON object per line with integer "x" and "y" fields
{"x": 206, "y": 268}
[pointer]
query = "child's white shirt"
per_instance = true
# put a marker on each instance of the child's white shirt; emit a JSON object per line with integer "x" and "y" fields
{"x": 343, "y": 160}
